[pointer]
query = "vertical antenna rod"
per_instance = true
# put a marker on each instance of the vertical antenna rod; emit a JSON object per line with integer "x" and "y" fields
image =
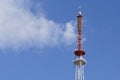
{"x": 79, "y": 29}
{"x": 79, "y": 51}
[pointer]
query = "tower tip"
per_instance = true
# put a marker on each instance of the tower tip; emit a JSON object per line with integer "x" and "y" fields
{"x": 80, "y": 11}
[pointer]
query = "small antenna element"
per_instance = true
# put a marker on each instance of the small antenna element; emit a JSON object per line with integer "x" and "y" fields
{"x": 80, "y": 12}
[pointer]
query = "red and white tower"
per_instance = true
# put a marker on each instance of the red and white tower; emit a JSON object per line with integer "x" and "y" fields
{"x": 79, "y": 52}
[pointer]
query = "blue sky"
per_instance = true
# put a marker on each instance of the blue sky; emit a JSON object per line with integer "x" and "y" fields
{"x": 38, "y": 38}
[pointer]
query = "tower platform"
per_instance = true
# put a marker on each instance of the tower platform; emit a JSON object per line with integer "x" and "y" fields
{"x": 80, "y": 61}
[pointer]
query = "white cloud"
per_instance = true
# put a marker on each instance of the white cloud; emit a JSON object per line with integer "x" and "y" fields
{"x": 69, "y": 35}
{"x": 19, "y": 27}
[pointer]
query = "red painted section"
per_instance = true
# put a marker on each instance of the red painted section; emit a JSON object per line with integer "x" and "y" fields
{"x": 79, "y": 52}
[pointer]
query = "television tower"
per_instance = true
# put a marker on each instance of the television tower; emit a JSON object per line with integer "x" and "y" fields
{"x": 79, "y": 52}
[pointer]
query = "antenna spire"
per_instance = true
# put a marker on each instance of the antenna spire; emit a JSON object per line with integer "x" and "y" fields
{"x": 80, "y": 11}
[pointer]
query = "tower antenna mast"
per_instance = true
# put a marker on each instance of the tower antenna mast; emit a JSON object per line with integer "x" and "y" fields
{"x": 79, "y": 52}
